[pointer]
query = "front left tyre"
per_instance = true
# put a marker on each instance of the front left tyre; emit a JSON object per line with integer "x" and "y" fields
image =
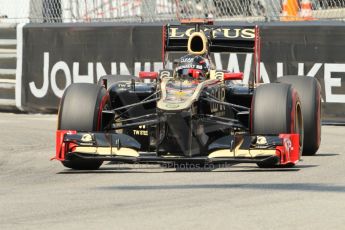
{"x": 81, "y": 109}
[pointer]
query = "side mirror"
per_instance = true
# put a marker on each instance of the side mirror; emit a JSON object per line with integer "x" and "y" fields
{"x": 148, "y": 75}
{"x": 233, "y": 76}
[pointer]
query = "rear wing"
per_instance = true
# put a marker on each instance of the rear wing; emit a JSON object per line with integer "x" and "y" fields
{"x": 239, "y": 39}
{"x": 220, "y": 38}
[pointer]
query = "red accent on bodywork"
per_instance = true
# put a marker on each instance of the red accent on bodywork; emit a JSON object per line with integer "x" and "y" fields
{"x": 233, "y": 76}
{"x": 148, "y": 75}
{"x": 163, "y": 44}
{"x": 251, "y": 115}
{"x": 257, "y": 54}
{"x": 61, "y": 146}
{"x": 289, "y": 153}
{"x": 293, "y": 111}
{"x": 100, "y": 110}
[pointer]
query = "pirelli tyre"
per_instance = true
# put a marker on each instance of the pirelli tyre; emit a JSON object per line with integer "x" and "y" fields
{"x": 276, "y": 109}
{"x": 309, "y": 91}
{"x": 81, "y": 109}
{"x": 111, "y": 79}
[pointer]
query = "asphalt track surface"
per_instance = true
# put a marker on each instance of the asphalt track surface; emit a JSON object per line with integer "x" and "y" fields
{"x": 36, "y": 193}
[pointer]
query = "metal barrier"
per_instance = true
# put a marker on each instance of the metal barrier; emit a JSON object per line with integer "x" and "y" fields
{"x": 147, "y": 11}
{"x": 8, "y": 59}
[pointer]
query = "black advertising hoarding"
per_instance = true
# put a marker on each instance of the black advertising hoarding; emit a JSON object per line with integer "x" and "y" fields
{"x": 315, "y": 49}
{"x": 55, "y": 56}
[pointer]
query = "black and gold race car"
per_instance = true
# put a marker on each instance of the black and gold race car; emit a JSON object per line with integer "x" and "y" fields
{"x": 190, "y": 112}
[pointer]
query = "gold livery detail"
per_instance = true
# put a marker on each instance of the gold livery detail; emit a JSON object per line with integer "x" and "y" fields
{"x": 107, "y": 151}
{"x": 86, "y": 138}
{"x": 230, "y": 33}
{"x": 142, "y": 131}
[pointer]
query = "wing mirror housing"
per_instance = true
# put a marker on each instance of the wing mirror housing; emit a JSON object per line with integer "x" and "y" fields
{"x": 233, "y": 76}
{"x": 148, "y": 75}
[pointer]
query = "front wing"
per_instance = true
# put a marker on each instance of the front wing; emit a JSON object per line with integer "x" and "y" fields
{"x": 283, "y": 149}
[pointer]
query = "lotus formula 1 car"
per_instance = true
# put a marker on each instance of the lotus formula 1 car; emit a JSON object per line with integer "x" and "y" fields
{"x": 190, "y": 112}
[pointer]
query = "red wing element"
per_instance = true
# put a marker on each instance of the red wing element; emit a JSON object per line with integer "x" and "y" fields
{"x": 61, "y": 146}
{"x": 289, "y": 152}
{"x": 148, "y": 75}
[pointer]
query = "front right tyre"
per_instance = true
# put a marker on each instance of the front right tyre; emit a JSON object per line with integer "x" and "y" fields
{"x": 309, "y": 91}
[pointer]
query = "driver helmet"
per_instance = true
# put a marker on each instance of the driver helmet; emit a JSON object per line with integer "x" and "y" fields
{"x": 192, "y": 67}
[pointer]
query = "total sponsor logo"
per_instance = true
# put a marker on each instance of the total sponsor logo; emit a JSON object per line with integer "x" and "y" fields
{"x": 332, "y": 73}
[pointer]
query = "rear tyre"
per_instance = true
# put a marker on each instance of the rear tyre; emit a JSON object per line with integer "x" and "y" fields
{"x": 81, "y": 109}
{"x": 276, "y": 109}
{"x": 309, "y": 91}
